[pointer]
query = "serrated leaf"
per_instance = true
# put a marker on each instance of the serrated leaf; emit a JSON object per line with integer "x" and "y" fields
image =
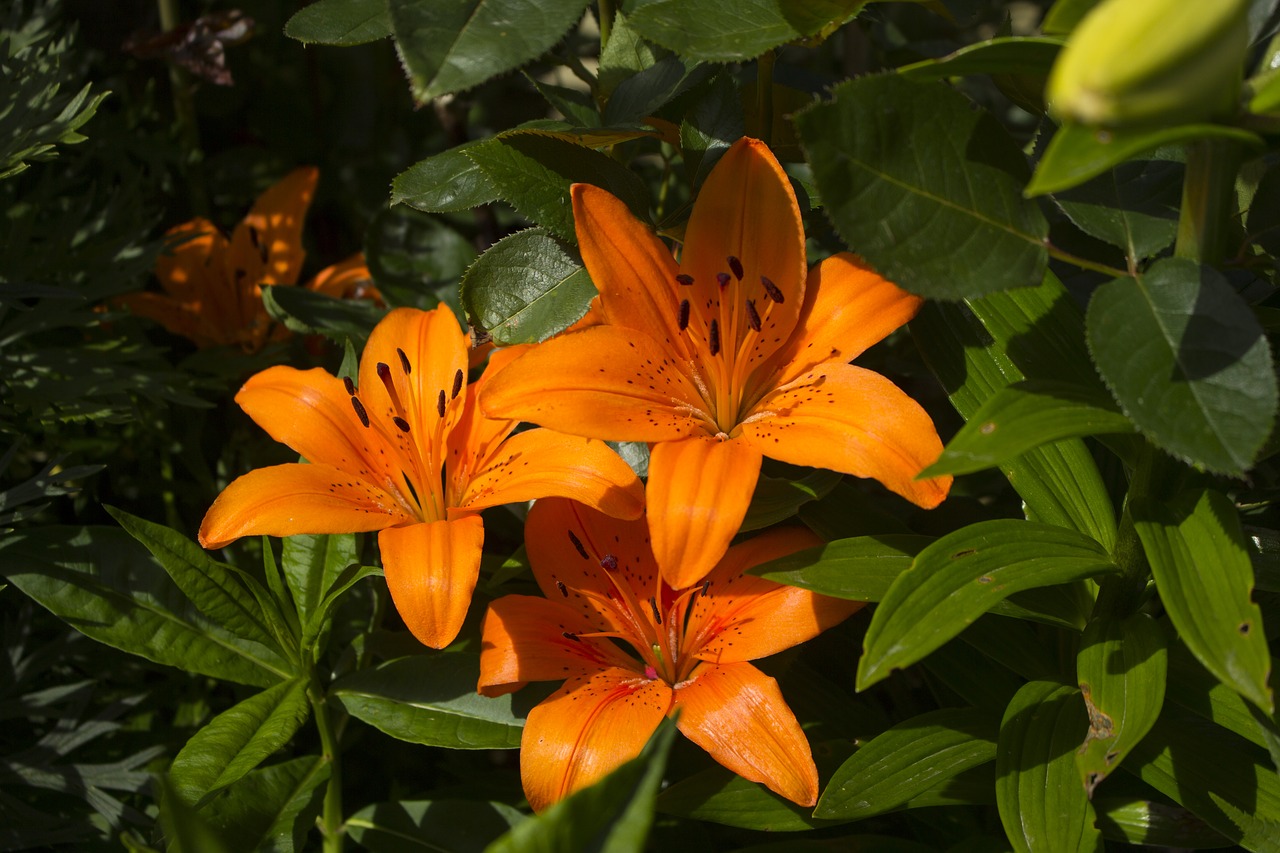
{"x": 900, "y": 205}
{"x": 1133, "y": 206}
{"x": 432, "y": 699}
{"x": 1004, "y": 55}
{"x": 1187, "y": 361}
{"x": 340, "y": 22}
{"x": 1024, "y": 416}
{"x": 533, "y": 173}
{"x": 415, "y": 258}
{"x": 1077, "y": 153}
{"x": 643, "y": 93}
{"x": 1041, "y": 801}
{"x": 526, "y": 288}
{"x": 961, "y": 576}
{"x": 450, "y": 46}
{"x": 108, "y": 587}
{"x": 272, "y": 809}
{"x": 447, "y": 182}
{"x": 239, "y": 739}
{"x": 907, "y": 760}
{"x": 612, "y": 816}
{"x": 1198, "y": 558}
{"x": 712, "y": 31}
{"x": 430, "y": 826}
{"x": 1121, "y": 666}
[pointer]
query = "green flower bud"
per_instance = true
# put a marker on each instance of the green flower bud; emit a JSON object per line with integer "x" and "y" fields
{"x": 1135, "y": 62}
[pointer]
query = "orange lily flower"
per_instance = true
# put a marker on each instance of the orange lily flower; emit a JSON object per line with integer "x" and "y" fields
{"x": 409, "y": 454}
{"x": 213, "y": 285}
{"x": 689, "y": 650}
{"x": 736, "y": 352}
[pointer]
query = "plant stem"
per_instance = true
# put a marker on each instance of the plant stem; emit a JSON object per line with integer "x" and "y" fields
{"x": 606, "y": 22}
{"x": 1208, "y": 193}
{"x": 764, "y": 95}
{"x": 184, "y": 112}
{"x": 331, "y": 827}
{"x": 1084, "y": 263}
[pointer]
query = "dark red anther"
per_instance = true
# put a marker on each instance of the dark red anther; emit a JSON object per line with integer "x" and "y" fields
{"x": 401, "y": 424}
{"x": 713, "y": 338}
{"x": 349, "y": 385}
{"x": 683, "y": 319}
{"x": 772, "y": 289}
{"x": 753, "y": 318}
{"x": 577, "y": 543}
{"x": 404, "y": 362}
{"x": 564, "y": 590}
{"x": 736, "y": 266}
{"x": 706, "y": 586}
{"x": 360, "y": 412}
{"x": 384, "y": 373}
{"x": 457, "y": 384}
{"x": 569, "y": 635}
{"x": 609, "y": 563}
{"x": 723, "y": 279}
{"x": 653, "y": 606}
{"x": 685, "y": 279}
{"x": 440, "y": 403}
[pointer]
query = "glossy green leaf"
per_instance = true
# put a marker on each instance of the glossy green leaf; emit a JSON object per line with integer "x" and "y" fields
{"x": 712, "y": 31}
{"x": 961, "y": 576}
{"x": 108, "y": 587}
{"x": 1133, "y": 206}
{"x": 1196, "y": 689}
{"x": 1042, "y": 804}
{"x": 1121, "y": 666}
{"x": 907, "y": 760}
{"x": 720, "y": 796}
{"x": 1077, "y": 153}
{"x": 1224, "y": 780}
{"x": 450, "y": 46}
{"x": 1006, "y": 55}
{"x": 611, "y": 816}
{"x": 1187, "y": 361}
{"x": 644, "y": 93}
{"x": 1024, "y": 416}
{"x": 1154, "y": 824}
{"x": 1197, "y": 554}
{"x": 447, "y": 182}
{"x": 312, "y": 564}
{"x": 416, "y": 259}
{"x": 340, "y": 22}
{"x": 533, "y": 173}
{"x": 526, "y": 288}
{"x": 239, "y": 739}
{"x": 1029, "y": 333}
{"x": 710, "y": 127}
{"x": 272, "y": 809}
{"x": 778, "y": 498}
{"x": 343, "y": 582}
{"x": 432, "y": 699}
{"x": 860, "y": 569}
{"x": 900, "y": 206}
{"x": 430, "y": 826}
{"x": 307, "y": 312}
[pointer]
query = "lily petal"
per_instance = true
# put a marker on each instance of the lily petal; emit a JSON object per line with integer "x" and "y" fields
{"x": 743, "y": 617}
{"x": 855, "y": 421}
{"x": 604, "y": 382}
{"x": 345, "y": 280}
{"x": 267, "y": 245}
{"x": 545, "y": 463}
{"x": 737, "y": 714}
{"x": 585, "y": 729}
{"x": 431, "y": 570}
{"x": 633, "y": 270}
{"x": 182, "y": 318}
{"x": 530, "y": 638}
{"x": 698, "y": 493}
{"x": 283, "y": 500}
{"x": 434, "y": 351}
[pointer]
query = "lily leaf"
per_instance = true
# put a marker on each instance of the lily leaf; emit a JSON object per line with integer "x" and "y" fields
{"x": 272, "y": 809}
{"x": 430, "y": 826}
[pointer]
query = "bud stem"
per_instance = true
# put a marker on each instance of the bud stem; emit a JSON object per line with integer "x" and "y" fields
{"x": 1208, "y": 191}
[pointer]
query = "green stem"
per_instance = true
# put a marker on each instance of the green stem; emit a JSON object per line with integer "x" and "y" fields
{"x": 764, "y": 95}
{"x": 1208, "y": 196}
{"x": 1084, "y": 263}
{"x": 331, "y": 827}
{"x": 184, "y": 112}
{"x": 606, "y": 22}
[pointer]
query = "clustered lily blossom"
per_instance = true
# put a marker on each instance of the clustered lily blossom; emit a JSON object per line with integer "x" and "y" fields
{"x": 735, "y": 351}
{"x": 213, "y": 285}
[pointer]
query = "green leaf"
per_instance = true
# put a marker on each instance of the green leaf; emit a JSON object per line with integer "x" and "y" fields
{"x": 778, "y": 498}
{"x": 1154, "y": 824}
{"x": 1077, "y": 153}
{"x": 1005, "y": 55}
{"x": 450, "y": 46}
{"x": 526, "y": 288}
{"x": 432, "y": 699}
{"x": 907, "y": 760}
{"x": 1033, "y": 333}
{"x": 859, "y": 569}
{"x": 533, "y": 172}
{"x": 447, "y": 182}
{"x": 312, "y": 563}
{"x": 307, "y": 312}
{"x": 1196, "y": 689}
{"x": 416, "y": 259}
{"x": 272, "y": 809}
{"x": 340, "y": 22}
{"x": 1121, "y": 666}
{"x": 644, "y": 93}
{"x": 1187, "y": 361}
{"x": 430, "y": 826}
{"x": 713, "y": 31}
{"x": 1063, "y": 16}
{"x": 612, "y": 816}
{"x": 184, "y": 828}
{"x": 961, "y": 576}
{"x": 721, "y": 796}
{"x": 1024, "y": 416}
{"x": 347, "y": 579}
{"x": 108, "y": 587}
{"x": 1225, "y": 781}
{"x": 1263, "y": 222}
{"x": 901, "y": 206}
{"x": 239, "y": 739}
{"x": 1042, "y": 803}
{"x": 1202, "y": 570}
{"x": 713, "y": 124}
{"x": 1133, "y": 206}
